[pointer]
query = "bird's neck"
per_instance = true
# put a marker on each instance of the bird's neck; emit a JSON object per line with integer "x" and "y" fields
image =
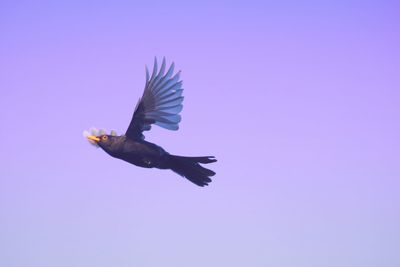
{"x": 116, "y": 146}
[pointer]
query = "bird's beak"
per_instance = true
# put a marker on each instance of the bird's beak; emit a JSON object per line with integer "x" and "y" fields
{"x": 93, "y": 138}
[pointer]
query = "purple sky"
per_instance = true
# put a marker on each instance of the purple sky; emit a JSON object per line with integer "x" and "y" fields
{"x": 298, "y": 100}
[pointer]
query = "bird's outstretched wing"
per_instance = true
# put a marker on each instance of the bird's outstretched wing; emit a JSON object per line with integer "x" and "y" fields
{"x": 160, "y": 104}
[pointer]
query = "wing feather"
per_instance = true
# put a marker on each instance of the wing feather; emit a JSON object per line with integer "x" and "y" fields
{"x": 167, "y": 83}
{"x": 174, "y": 93}
{"x": 160, "y": 103}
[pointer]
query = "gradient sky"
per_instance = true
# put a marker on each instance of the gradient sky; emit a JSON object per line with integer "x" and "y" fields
{"x": 298, "y": 100}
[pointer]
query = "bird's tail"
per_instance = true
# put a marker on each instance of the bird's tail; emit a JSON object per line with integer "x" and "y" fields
{"x": 190, "y": 168}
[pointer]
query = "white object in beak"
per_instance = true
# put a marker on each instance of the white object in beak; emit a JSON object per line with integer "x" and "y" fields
{"x": 93, "y": 143}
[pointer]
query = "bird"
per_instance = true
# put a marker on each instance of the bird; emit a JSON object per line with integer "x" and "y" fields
{"x": 160, "y": 104}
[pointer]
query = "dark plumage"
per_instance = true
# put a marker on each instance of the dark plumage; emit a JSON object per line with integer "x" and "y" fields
{"x": 160, "y": 104}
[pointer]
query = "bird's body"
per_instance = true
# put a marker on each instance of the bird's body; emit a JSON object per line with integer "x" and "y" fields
{"x": 138, "y": 152}
{"x": 160, "y": 104}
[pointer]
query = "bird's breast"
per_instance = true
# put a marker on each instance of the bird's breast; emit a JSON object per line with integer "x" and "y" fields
{"x": 141, "y": 153}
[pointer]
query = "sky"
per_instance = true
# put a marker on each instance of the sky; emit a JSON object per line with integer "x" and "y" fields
{"x": 298, "y": 101}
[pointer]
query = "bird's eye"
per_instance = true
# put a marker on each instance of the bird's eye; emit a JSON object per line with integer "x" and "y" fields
{"x": 104, "y": 137}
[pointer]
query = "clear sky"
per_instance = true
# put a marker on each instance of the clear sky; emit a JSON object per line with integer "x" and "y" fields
{"x": 298, "y": 100}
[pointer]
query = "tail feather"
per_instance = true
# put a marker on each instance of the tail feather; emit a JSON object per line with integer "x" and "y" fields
{"x": 190, "y": 168}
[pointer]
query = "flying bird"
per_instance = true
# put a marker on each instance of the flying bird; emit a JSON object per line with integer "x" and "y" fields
{"x": 160, "y": 104}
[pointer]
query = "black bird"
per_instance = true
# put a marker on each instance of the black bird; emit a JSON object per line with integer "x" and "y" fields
{"x": 160, "y": 104}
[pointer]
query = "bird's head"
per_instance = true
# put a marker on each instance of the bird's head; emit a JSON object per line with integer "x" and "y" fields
{"x": 100, "y": 138}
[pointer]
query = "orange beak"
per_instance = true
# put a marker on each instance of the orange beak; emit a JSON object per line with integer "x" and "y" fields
{"x": 94, "y": 138}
